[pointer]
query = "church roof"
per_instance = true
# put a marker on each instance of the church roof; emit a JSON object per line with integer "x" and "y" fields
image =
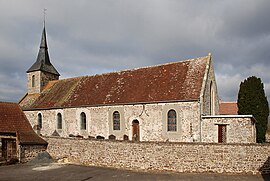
{"x": 43, "y": 60}
{"x": 13, "y": 120}
{"x": 177, "y": 81}
{"x": 230, "y": 108}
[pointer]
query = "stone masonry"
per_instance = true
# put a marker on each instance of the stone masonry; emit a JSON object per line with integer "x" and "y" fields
{"x": 152, "y": 120}
{"x": 164, "y": 156}
{"x": 239, "y": 128}
{"x": 28, "y": 152}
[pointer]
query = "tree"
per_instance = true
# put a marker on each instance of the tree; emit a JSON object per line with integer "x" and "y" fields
{"x": 252, "y": 100}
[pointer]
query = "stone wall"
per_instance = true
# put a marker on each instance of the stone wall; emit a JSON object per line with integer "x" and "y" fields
{"x": 36, "y": 88}
{"x": 28, "y": 152}
{"x": 239, "y": 128}
{"x": 41, "y": 79}
{"x": 99, "y": 121}
{"x": 210, "y": 101}
{"x": 164, "y": 156}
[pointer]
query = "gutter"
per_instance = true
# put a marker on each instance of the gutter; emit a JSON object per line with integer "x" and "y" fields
{"x": 116, "y": 104}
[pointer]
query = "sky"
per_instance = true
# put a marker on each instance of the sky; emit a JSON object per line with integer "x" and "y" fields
{"x": 94, "y": 37}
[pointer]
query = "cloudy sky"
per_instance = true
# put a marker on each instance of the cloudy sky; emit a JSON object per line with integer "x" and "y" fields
{"x": 93, "y": 37}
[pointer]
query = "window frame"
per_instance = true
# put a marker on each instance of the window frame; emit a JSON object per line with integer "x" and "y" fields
{"x": 59, "y": 121}
{"x": 116, "y": 121}
{"x": 39, "y": 121}
{"x": 172, "y": 121}
{"x": 83, "y": 122}
{"x": 33, "y": 80}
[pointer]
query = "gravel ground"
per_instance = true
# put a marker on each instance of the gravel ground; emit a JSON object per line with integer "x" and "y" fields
{"x": 68, "y": 172}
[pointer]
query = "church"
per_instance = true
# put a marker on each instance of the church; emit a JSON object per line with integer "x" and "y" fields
{"x": 175, "y": 102}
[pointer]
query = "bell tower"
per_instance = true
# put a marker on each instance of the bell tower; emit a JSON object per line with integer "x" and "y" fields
{"x": 42, "y": 71}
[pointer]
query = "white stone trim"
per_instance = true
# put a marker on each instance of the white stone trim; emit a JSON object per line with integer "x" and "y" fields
{"x": 179, "y": 117}
{"x": 88, "y": 121}
{"x": 64, "y": 128}
{"x": 118, "y": 133}
{"x": 228, "y": 116}
{"x": 130, "y": 120}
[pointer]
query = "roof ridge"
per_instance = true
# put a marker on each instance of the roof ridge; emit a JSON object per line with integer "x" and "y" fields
{"x": 168, "y": 63}
{"x": 139, "y": 68}
{"x": 8, "y": 102}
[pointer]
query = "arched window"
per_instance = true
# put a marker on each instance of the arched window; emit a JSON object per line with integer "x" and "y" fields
{"x": 59, "y": 121}
{"x": 212, "y": 99}
{"x": 39, "y": 120}
{"x": 83, "y": 121}
{"x": 33, "y": 80}
{"x": 172, "y": 120}
{"x": 116, "y": 120}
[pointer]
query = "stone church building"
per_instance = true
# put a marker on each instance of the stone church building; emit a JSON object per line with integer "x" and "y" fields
{"x": 175, "y": 102}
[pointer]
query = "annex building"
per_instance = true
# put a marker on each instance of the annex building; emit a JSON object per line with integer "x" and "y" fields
{"x": 175, "y": 102}
{"x": 18, "y": 140}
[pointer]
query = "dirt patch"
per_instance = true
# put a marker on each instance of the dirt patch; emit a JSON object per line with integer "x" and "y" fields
{"x": 48, "y": 167}
{"x": 42, "y": 158}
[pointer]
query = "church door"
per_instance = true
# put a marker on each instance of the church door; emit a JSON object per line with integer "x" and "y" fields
{"x": 135, "y": 130}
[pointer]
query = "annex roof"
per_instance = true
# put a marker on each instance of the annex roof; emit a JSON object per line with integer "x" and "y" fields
{"x": 13, "y": 120}
{"x": 177, "y": 81}
{"x": 228, "y": 108}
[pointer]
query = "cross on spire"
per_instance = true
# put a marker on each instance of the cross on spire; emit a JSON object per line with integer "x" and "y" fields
{"x": 44, "y": 15}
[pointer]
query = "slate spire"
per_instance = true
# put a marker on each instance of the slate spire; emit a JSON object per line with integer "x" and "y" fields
{"x": 43, "y": 60}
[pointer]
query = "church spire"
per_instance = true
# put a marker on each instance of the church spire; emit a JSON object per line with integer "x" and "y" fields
{"x": 43, "y": 60}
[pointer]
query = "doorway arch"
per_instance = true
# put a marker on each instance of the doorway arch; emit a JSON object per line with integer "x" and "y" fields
{"x": 135, "y": 130}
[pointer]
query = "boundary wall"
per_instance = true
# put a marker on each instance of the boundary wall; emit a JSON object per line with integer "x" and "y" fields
{"x": 163, "y": 156}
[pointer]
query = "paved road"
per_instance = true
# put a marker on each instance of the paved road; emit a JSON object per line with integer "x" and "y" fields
{"x": 58, "y": 172}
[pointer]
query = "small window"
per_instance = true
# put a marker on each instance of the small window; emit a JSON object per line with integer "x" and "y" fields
{"x": 171, "y": 120}
{"x": 59, "y": 121}
{"x": 33, "y": 80}
{"x": 39, "y": 120}
{"x": 83, "y": 121}
{"x": 116, "y": 120}
{"x": 212, "y": 99}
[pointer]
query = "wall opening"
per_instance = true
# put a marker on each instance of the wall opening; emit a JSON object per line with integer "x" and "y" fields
{"x": 135, "y": 130}
{"x": 222, "y": 137}
{"x": 171, "y": 121}
{"x": 59, "y": 121}
{"x": 9, "y": 149}
{"x": 33, "y": 80}
{"x": 39, "y": 121}
{"x": 212, "y": 99}
{"x": 83, "y": 121}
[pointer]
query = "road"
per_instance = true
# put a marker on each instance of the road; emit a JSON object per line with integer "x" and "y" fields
{"x": 69, "y": 172}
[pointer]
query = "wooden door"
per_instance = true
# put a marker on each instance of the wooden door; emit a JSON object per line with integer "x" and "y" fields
{"x": 9, "y": 150}
{"x": 135, "y": 130}
{"x": 221, "y": 133}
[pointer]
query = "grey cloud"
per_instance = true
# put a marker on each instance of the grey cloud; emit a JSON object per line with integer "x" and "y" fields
{"x": 89, "y": 37}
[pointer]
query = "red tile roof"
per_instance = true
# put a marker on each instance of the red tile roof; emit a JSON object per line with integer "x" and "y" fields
{"x": 13, "y": 120}
{"x": 229, "y": 108}
{"x": 161, "y": 83}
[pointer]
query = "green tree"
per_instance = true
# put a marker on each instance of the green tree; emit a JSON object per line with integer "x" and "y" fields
{"x": 252, "y": 100}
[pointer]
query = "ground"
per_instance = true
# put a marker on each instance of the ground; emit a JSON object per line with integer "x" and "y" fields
{"x": 69, "y": 172}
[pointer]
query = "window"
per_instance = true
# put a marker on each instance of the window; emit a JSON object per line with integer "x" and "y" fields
{"x": 33, "y": 80}
{"x": 39, "y": 120}
{"x": 221, "y": 133}
{"x": 116, "y": 120}
{"x": 172, "y": 120}
{"x": 212, "y": 99}
{"x": 83, "y": 121}
{"x": 59, "y": 121}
